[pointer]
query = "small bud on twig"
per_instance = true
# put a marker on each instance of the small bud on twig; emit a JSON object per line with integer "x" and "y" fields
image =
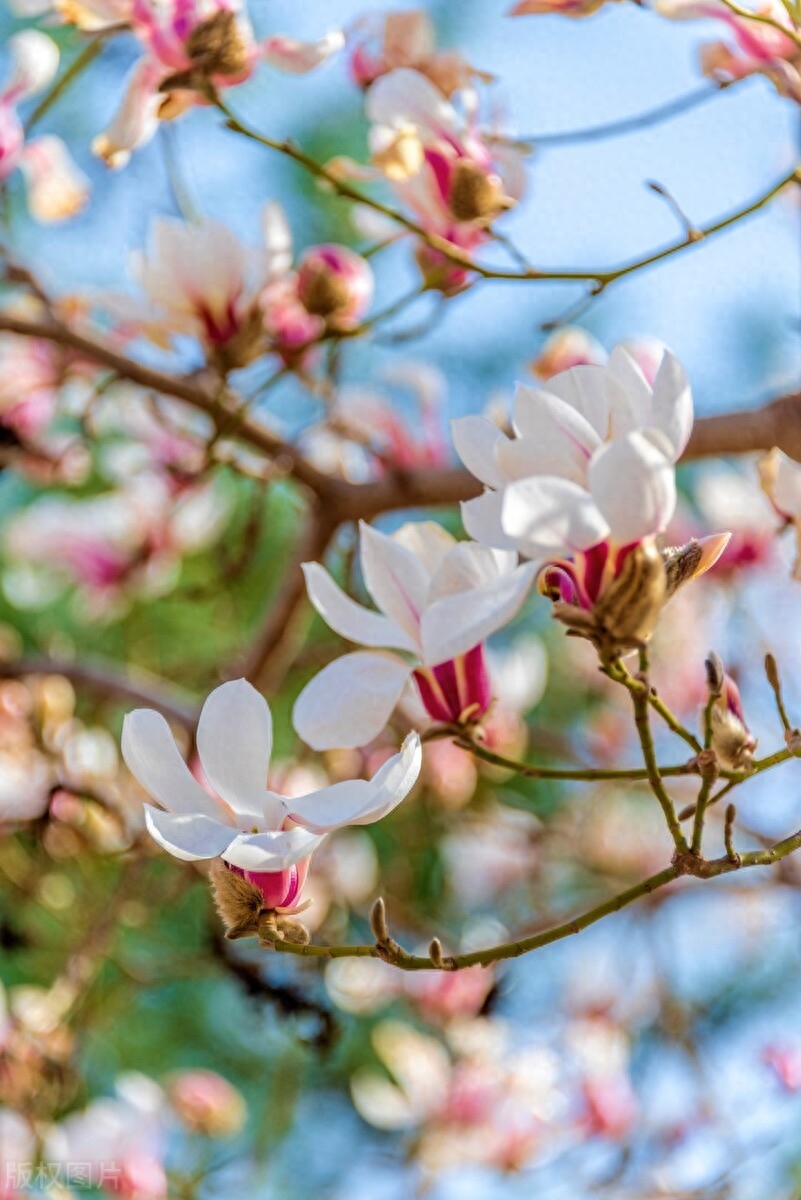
{"x": 378, "y": 922}
{"x": 715, "y": 674}
{"x": 772, "y": 672}
{"x": 435, "y": 953}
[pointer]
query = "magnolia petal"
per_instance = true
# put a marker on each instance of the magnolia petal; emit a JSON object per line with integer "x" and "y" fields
{"x": 583, "y": 388}
{"x": 152, "y": 757}
{"x": 481, "y": 518}
{"x": 456, "y": 624}
{"x": 552, "y": 516}
{"x": 395, "y": 578}
{"x": 672, "y": 404}
{"x": 470, "y": 566}
{"x": 350, "y": 701}
{"x": 357, "y": 801}
{"x": 780, "y": 477}
{"x": 234, "y": 741}
{"x": 298, "y": 57}
{"x": 405, "y": 97}
{"x": 555, "y": 439}
{"x": 137, "y": 118}
{"x": 628, "y": 394}
{"x": 352, "y": 620}
{"x": 188, "y": 836}
{"x": 34, "y": 58}
{"x": 476, "y": 441}
{"x": 270, "y": 851}
{"x": 634, "y": 485}
{"x": 277, "y": 240}
{"x": 56, "y": 188}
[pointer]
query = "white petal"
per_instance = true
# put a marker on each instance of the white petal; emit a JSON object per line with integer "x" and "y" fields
{"x": 476, "y": 440}
{"x": 405, "y": 97}
{"x": 555, "y": 438}
{"x": 672, "y": 406}
{"x": 57, "y": 189}
{"x": 628, "y": 394}
{"x": 34, "y": 58}
{"x": 633, "y": 483}
{"x": 136, "y": 120}
{"x": 190, "y": 837}
{"x": 428, "y": 541}
{"x": 552, "y": 515}
{"x": 395, "y": 578}
{"x": 469, "y": 566}
{"x": 456, "y": 624}
{"x": 296, "y": 57}
{"x": 584, "y": 389}
{"x": 346, "y": 617}
{"x": 482, "y": 520}
{"x": 277, "y": 239}
{"x": 350, "y": 701}
{"x": 234, "y": 741}
{"x": 152, "y": 756}
{"x": 271, "y": 851}
{"x": 357, "y": 801}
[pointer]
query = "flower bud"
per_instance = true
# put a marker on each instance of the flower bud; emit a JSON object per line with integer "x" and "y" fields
{"x": 440, "y": 273}
{"x": 732, "y": 740}
{"x": 216, "y": 45}
{"x": 335, "y": 283}
{"x": 473, "y": 195}
{"x": 457, "y": 691}
{"x": 206, "y": 1103}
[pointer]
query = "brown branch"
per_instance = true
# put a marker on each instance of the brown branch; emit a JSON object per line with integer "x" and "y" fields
{"x": 108, "y": 683}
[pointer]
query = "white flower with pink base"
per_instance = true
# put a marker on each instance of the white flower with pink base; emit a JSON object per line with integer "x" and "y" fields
{"x": 56, "y": 188}
{"x": 439, "y": 601}
{"x": 265, "y": 837}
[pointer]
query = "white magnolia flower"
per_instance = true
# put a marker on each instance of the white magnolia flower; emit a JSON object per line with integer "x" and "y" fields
{"x": 592, "y": 459}
{"x": 245, "y": 823}
{"x": 439, "y": 600}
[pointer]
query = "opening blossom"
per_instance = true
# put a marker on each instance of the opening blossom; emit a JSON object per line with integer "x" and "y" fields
{"x": 585, "y": 485}
{"x": 56, "y": 188}
{"x": 759, "y": 48}
{"x": 265, "y": 837}
{"x": 456, "y": 178}
{"x": 439, "y": 600}
{"x": 194, "y": 47}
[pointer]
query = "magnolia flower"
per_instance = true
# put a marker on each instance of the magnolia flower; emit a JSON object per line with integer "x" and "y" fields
{"x": 90, "y": 16}
{"x": 585, "y": 486}
{"x": 455, "y": 178}
{"x": 56, "y": 188}
{"x": 780, "y": 477}
{"x": 759, "y": 46}
{"x": 201, "y": 281}
{"x": 383, "y": 42}
{"x": 265, "y": 837}
{"x": 111, "y": 546}
{"x": 732, "y": 740}
{"x": 335, "y": 284}
{"x": 572, "y": 346}
{"x": 192, "y": 48}
{"x": 439, "y": 600}
{"x": 206, "y": 1103}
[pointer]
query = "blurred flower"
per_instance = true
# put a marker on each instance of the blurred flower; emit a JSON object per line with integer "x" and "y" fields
{"x": 56, "y": 188}
{"x": 490, "y": 853}
{"x": 335, "y": 284}
{"x": 383, "y": 42}
{"x": 730, "y": 500}
{"x": 456, "y": 179}
{"x": 120, "y": 1139}
{"x": 113, "y": 546}
{"x": 193, "y": 49}
{"x": 565, "y": 8}
{"x": 784, "y": 1059}
{"x": 206, "y": 1103}
{"x": 760, "y": 46}
{"x": 439, "y": 601}
{"x": 17, "y": 1154}
{"x": 572, "y": 346}
{"x": 263, "y": 836}
{"x": 780, "y": 477}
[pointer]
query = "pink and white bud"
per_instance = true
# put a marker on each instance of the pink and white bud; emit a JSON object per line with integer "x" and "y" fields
{"x": 280, "y": 889}
{"x": 206, "y": 1103}
{"x": 568, "y": 347}
{"x": 335, "y": 284}
{"x": 732, "y": 740}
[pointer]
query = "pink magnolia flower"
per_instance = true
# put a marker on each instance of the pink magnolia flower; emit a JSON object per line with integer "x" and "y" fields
{"x": 112, "y": 547}
{"x": 192, "y": 48}
{"x": 206, "y": 1103}
{"x": 121, "y": 1140}
{"x": 267, "y": 838}
{"x": 586, "y": 485}
{"x": 56, "y": 188}
{"x": 759, "y": 48}
{"x": 780, "y": 477}
{"x": 439, "y": 601}
{"x": 456, "y": 178}
{"x": 383, "y": 42}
